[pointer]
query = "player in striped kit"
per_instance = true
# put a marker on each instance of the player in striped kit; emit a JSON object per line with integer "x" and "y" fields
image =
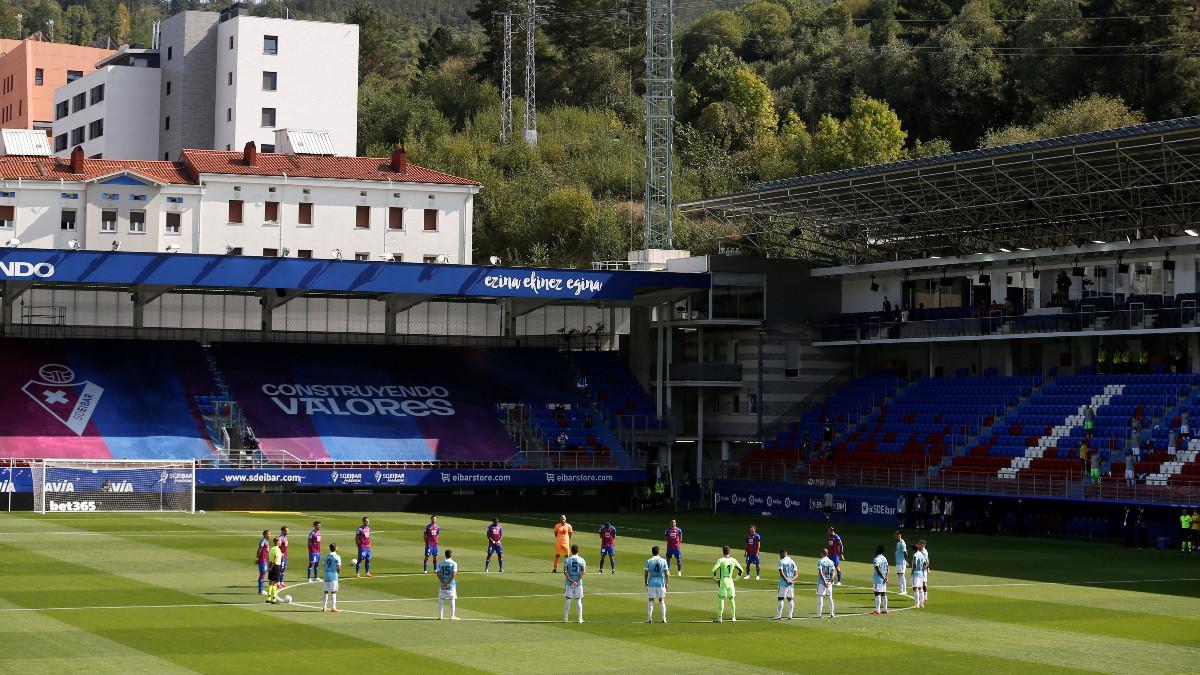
{"x": 495, "y": 537}
{"x": 753, "y": 549}
{"x": 608, "y": 541}
{"x": 432, "y": 532}
{"x": 675, "y": 547}
{"x": 283, "y": 547}
{"x": 314, "y": 552}
{"x": 362, "y": 539}
{"x": 262, "y": 559}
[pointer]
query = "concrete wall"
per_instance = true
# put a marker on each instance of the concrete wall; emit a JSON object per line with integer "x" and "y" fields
{"x": 316, "y": 84}
{"x": 191, "y": 38}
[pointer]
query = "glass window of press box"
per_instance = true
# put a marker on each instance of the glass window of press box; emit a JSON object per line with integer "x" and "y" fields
{"x": 737, "y": 296}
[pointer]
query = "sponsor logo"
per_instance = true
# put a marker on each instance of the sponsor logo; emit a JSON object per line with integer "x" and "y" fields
{"x": 22, "y": 270}
{"x": 239, "y": 478}
{"x": 869, "y": 509}
{"x": 7, "y": 486}
{"x": 60, "y": 486}
{"x": 68, "y": 401}
{"x": 120, "y": 486}
{"x": 753, "y": 501}
{"x": 72, "y": 506}
{"x": 815, "y": 504}
{"x": 787, "y": 502}
{"x": 390, "y": 478}
{"x": 538, "y": 283}
{"x": 346, "y": 477}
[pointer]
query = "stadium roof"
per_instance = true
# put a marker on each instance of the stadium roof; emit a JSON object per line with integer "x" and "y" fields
{"x": 1137, "y": 182}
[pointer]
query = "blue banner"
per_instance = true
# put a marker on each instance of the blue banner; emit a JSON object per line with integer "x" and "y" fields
{"x": 229, "y": 271}
{"x": 139, "y": 480}
{"x": 847, "y": 504}
{"x": 16, "y": 480}
{"x": 566, "y": 478}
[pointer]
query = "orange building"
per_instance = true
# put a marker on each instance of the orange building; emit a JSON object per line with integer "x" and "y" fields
{"x": 30, "y": 71}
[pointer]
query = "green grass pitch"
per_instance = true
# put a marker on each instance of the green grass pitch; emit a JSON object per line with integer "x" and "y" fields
{"x": 131, "y": 593}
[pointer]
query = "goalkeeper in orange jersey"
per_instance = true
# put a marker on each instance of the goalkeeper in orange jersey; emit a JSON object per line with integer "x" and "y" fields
{"x": 562, "y": 540}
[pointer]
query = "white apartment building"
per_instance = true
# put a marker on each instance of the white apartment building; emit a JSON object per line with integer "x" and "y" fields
{"x": 240, "y": 203}
{"x": 110, "y": 111}
{"x": 219, "y": 81}
{"x": 279, "y": 74}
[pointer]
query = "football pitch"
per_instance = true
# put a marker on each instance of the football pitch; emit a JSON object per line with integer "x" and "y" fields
{"x": 133, "y": 593}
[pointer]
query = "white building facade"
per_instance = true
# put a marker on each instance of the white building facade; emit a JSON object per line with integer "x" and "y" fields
{"x": 280, "y": 74}
{"x": 239, "y": 203}
{"x": 110, "y": 111}
{"x": 217, "y": 82}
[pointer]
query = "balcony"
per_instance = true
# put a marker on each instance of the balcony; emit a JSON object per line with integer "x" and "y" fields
{"x": 706, "y": 374}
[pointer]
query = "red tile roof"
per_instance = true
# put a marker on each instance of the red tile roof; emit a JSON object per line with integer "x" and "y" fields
{"x": 14, "y": 167}
{"x": 315, "y": 166}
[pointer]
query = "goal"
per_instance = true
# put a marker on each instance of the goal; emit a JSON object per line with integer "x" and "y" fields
{"x": 114, "y": 485}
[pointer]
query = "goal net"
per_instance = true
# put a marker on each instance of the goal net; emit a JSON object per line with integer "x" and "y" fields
{"x": 113, "y": 485}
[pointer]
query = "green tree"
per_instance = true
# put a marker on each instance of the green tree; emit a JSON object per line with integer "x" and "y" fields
{"x": 77, "y": 27}
{"x": 455, "y": 91}
{"x": 1046, "y": 70}
{"x": 769, "y": 26}
{"x": 871, "y": 134}
{"x": 442, "y": 44}
{"x": 122, "y": 25}
{"x": 965, "y": 78}
{"x": 719, "y": 29}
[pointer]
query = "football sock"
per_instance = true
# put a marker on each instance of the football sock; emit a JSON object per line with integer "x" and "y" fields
{"x": 839, "y": 572}
{"x": 876, "y": 602}
{"x": 500, "y": 559}
{"x": 281, "y": 573}
{"x": 649, "y": 610}
{"x": 425, "y": 564}
{"x": 884, "y": 602}
{"x": 358, "y": 566}
{"x": 733, "y": 608}
{"x": 440, "y": 604}
{"x": 556, "y": 561}
{"x": 662, "y": 606}
{"x": 486, "y": 564}
{"x": 720, "y": 607}
{"x": 453, "y": 608}
{"x": 579, "y": 602}
{"x": 261, "y": 579}
{"x": 791, "y": 607}
{"x": 325, "y": 605}
{"x": 820, "y": 605}
{"x": 779, "y": 610}
{"x": 368, "y": 565}
{"x": 567, "y": 610}
{"x": 831, "y": 610}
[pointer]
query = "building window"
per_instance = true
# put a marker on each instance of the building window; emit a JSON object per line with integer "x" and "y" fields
{"x": 69, "y": 195}
{"x": 268, "y": 117}
{"x": 167, "y": 123}
{"x": 362, "y": 217}
{"x": 66, "y": 220}
{"x": 231, "y": 42}
{"x": 270, "y": 80}
{"x": 235, "y": 210}
{"x": 166, "y": 156}
{"x": 431, "y": 220}
{"x": 429, "y": 259}
{"x": 77, "y": 136}
{"x": 110, "y": 196}
{"x": 137, "y": 198}
{"x": 78, "y": 102}
{"x": 174, "y": 200}
{"x": 236, "y": 250}
{"x": 108, "y": 220}
{"x": 272, "y": 212}
{"x": 6, "y": 216}
{"x": 395, "y": 218}
{"x": 397, "y": 257}
{"x": 96, "y": 95}
{"x": 96, "y": 129}
{"x": 229, "y": 79}
{"x": 228, "y": 118}
{"x": 304, "y": 254}
{"x": 168, "y": 93}
{"x": 268, "y": 147}
{"x": 270, "y": 253}
{"x": 61, "y": 109}
{"x": 306, "y": 214}
{"x": 362, "y": 257}
{"x": 170, "y": 52}
{"x": 39, "y": 76}
{"x": 270, "y": 44}
{"x": 174, "y": 223}
{"x": 73, "y": 75}
{"x": 137, "y": 222}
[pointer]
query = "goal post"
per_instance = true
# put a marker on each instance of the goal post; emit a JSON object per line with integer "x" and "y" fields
{"x": 114, "y": 485}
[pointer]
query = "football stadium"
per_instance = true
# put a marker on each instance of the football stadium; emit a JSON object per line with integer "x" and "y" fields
{"x": 274, "y": 406}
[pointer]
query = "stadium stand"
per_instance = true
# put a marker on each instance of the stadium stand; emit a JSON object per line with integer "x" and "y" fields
{"x": 101, "y": 400}
{"x": 931, "y": 417}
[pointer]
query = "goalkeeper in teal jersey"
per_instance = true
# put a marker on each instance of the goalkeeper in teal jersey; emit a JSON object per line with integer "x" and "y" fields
{"x": 724, "y": 571}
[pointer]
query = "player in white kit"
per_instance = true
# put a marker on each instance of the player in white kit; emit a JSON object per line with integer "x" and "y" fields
{"x": 787, "y": 585}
